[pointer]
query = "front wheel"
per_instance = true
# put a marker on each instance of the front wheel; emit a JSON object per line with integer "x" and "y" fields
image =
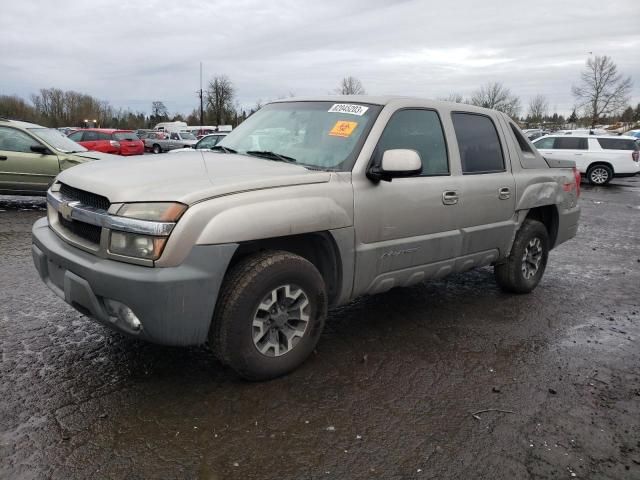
{"x": 156, "y": 148}
{"x": 523, "y": 269}
{"x": 269, "y": 316}
{"x": 599, "y": 174}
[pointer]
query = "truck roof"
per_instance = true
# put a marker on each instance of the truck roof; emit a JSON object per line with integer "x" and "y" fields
{"x": 384, "y": 100}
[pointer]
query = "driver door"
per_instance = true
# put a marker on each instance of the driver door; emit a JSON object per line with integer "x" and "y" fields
{"x": 406, "y": 230}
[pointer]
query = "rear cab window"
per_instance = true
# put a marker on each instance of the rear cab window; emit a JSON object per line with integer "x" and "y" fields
{"x": 478, "y": 143}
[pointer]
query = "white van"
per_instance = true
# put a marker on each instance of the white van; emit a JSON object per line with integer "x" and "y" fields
{"x": 171, "y": 126}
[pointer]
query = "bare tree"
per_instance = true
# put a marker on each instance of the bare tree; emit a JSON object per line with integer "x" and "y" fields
{"x": 158, "y": 109}
{"x": 453, "y": 97}
{"x": 350, "y": 86}
{"x": 220, "y": 93}
{"x": 602, "y": 90}
{"x": 497, "y": 96}
{"x": 538, "y": 108}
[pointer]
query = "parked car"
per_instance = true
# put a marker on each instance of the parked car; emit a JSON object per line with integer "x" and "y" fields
{"x": 31, "y": 156}
{"x": 107, "y": 140}
{"x": 598, "y": 157}
{"x": 159, "y": 142}
{"x": 155, "y": 141}
{"x": 205, "y": 143}
{"x": 182, "y": 140}
{"x": 357, "y": 198}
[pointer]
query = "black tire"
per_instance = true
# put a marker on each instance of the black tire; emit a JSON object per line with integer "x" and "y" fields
{"x": 246, "y": 285}
{"x": 599, "y": 174}
{"x": 156, "y": 148}
{"x": 510, "y": 275}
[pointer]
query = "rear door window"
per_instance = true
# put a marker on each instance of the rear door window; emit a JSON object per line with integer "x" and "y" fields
{"x": 570, "y": 143}
{"x": 103, "y": 136}
{"x": 478, "y": 142}
{"x": 617, "y": 144}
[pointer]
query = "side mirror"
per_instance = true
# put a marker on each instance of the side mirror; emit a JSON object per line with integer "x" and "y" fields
{"x": 41, "y": 149}
{"x": 396, "y": 163}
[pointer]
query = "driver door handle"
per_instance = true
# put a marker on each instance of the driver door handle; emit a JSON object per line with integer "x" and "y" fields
{"x": 2, "y": 157}
{"x": 450, "y": 197}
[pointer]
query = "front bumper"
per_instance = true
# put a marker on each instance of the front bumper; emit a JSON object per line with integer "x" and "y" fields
{"x": 174, "y": 304}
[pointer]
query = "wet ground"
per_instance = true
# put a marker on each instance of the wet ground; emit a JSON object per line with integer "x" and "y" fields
{"x": 391, "y": 392}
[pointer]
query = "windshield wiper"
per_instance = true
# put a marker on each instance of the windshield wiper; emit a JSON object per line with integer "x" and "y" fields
{"x": 272, "y": 156}
{"x": 224, "y": 149}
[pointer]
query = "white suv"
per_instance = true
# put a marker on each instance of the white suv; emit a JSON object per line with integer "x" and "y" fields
{"x": 598, "y": 157}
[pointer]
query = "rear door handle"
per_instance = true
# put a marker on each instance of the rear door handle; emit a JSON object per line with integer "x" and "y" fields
{"x": 504, "y": 193}
{"x": 450, "y": 197}
{"x": 2, "y": 157}
{"x": 578, "y": 154}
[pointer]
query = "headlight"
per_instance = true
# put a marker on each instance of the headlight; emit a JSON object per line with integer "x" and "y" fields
{"x": 136, "y": 245}
{"x": 157, "y": 211}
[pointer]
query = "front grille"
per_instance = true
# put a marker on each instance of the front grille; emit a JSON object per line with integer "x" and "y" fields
{"x": 89, "y": 232}
{"x": 85, "y": 198}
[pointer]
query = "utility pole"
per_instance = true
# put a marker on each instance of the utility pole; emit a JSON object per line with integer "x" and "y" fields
{"x": 201, "y": 101}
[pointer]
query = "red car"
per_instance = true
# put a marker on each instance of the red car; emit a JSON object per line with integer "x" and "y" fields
{"x": 108, "y": 140}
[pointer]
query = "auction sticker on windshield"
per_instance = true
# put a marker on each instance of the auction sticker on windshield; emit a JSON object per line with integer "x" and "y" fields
{"x": 343, "y": 129}
{"x": 348, "y": 108}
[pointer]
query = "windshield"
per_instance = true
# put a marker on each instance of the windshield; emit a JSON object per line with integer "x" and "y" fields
{"x": 187, "y": 136}
{"x": 325, "y": 135}
{"x": 208, "y": 142}
{"x": 126, "y": 136}
{"x": 57, "y": 140}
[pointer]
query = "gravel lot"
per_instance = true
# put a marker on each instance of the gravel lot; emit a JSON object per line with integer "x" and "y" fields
{"x": 389, "y": 394}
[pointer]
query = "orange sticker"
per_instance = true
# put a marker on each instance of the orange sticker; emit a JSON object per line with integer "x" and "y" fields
{"x": 343, "y": 128}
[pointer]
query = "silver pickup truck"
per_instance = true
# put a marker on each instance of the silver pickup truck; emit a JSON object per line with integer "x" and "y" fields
{"x": 159, "y": 142}
{"x": 306, "y": 205}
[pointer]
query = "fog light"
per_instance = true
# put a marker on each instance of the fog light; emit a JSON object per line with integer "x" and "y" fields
{"x": 122, "y": 312}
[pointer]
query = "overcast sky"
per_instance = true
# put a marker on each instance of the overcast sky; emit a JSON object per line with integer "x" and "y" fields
{"x": 136, "y": 51}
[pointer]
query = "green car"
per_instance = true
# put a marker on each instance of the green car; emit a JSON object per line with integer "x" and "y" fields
{"x": 31, "y": 156}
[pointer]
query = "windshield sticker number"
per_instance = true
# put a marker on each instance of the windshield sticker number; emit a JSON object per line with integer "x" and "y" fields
{"x": 348, "y": 108}
{"x": 343, "y": 129}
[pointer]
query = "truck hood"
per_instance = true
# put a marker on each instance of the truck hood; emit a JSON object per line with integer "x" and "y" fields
{"x": 187, "y": 178}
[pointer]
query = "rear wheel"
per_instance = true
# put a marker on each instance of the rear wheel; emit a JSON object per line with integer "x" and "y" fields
{"x": 156, "y": 148}
{"x": 269, "y": 316}
{"x": 599, "y": 174}
{"x": 523, "y": 269}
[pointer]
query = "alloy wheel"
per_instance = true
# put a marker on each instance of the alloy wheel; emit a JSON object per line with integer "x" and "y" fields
{"x": 281, "y": 320}
{"x": 531, "y": 258}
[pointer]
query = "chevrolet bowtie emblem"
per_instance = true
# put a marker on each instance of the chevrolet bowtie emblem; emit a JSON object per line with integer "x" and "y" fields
{"x": 66, "y": 208}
